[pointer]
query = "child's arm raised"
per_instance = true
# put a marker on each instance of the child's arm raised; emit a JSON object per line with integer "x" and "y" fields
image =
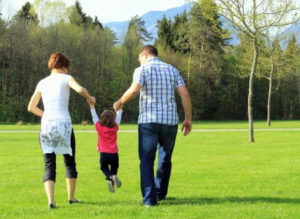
{"x": 94, "y": 113}
{"x": 118, "y": 116}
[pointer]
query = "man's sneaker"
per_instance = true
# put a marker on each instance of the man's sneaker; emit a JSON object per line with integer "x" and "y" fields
{"x": 110, "y": 185}
{"x": 116, "y": 181}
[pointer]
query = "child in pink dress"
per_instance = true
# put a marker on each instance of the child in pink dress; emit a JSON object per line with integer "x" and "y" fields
{"x": 107, "y": 128}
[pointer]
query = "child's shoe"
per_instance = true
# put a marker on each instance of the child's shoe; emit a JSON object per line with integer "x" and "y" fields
{"x": 110, "y": 185}
{"x": 116, "y": 181}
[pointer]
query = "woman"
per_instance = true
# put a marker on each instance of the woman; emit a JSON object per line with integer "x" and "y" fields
{"x": 56, "y": 136}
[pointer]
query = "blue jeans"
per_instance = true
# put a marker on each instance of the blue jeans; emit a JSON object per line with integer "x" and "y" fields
{"x": 151, "y": 137}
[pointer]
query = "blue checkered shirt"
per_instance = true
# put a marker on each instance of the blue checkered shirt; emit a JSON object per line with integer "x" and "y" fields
{"x": 157, "y": 96}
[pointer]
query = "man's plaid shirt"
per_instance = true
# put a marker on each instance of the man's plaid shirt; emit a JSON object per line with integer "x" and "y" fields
{"x": 157, "y": 96}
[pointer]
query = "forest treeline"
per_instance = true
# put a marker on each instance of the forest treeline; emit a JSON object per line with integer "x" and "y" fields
{"x": 196, "y": 42}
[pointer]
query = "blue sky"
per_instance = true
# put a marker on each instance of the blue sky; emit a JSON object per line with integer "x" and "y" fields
{"x": 106, "y": 10}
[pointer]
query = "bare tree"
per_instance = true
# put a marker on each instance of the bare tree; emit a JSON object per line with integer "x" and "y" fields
{"x": 272, "y": 48}
{"x": 50, "y": 11}
{"x": 250, "y": 18}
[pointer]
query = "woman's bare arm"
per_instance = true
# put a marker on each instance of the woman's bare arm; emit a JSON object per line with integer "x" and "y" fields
{"x": 34, "y": 101}
{"x": 81, "y": 90}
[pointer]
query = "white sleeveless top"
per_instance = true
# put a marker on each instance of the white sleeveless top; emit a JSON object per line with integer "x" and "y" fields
{"x": 56, "y": 126}
{"x": 55, "y": 94}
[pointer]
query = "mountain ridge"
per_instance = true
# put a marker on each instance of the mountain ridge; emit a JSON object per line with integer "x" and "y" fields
{"x": 150, "y": 18}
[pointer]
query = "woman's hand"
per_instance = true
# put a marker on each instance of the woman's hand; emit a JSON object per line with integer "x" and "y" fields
{"x": 91, "y": 100}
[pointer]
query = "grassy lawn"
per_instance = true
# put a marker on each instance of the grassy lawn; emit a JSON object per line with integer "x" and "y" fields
{"x": 215, "y": 175}
{"x": 196, "y": 125}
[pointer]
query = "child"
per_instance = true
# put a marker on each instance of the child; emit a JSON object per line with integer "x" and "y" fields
{"x": 107, "y": 128}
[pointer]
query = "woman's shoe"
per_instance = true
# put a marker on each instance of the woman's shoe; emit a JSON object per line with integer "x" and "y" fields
{"x": 51, "y": 206}
{"x": 74, "y": 201}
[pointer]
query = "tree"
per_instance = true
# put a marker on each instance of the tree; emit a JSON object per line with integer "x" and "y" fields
{"x": 97, "y": 23}
{"x": 27, "y": 14}
{"x": 78, "y": 17}
{"x": 290, "y": 78}
{"x": 164, "y": 32}
{"x": 181, "y": 33}
{"x": 50, "y": 11}
{"x": 249, "y": 17}
{"x": 134, "y": 39}
{"x": 206, "y": 58}
{"x": 174, "y": 34}
{"x": 275, "y": 62}
{"x": 136, "y": 35}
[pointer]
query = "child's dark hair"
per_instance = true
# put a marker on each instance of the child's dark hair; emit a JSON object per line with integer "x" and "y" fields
{"x": 107, "y": 118}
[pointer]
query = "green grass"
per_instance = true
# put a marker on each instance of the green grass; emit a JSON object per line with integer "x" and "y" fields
{"x": 196, "y": 125}
{"x": 215, "y": 175}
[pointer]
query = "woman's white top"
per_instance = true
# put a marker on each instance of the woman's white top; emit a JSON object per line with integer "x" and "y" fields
{"x": 56, "y": 126}
{"x": 55, "y": 92}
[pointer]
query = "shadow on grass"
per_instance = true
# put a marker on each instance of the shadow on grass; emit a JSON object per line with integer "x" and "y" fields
{"x": 109, "y": 203}
{"x": 221, "y": 200}
{"x": 203, "y": 201}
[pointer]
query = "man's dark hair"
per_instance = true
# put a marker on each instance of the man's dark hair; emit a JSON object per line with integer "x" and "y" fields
{"x": 149, "y": 49}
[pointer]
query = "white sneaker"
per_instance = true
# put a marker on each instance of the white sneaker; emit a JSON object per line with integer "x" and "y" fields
{"x": 116, "y": 181}
{"x": 110, "y": 185}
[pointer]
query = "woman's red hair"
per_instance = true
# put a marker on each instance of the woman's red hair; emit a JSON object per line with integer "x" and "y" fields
{"x": 58, "y": 60}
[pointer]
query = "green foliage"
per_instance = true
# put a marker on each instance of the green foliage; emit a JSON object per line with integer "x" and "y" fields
{"x": 137, "y": 25}
{"x": 78, "y": 17}
{"x": 216, "y": 73}
{"x": 164, "y": 32}
{"x": 174, "y": 34}
{"x": 27, "y": 14}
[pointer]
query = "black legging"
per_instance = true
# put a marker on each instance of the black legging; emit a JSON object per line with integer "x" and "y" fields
{"x": 70, "y": 164}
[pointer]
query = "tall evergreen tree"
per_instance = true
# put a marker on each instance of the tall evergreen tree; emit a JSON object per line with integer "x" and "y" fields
{"x": 164, "y": 32}
{"x": 181, "y": 33}
{"x": 97, "y": 23}
{"x": 291, "y": 78}
{"x": 207, "y": 39}
{"x": 27, "y": 14}
{"x": 78, "y": 17}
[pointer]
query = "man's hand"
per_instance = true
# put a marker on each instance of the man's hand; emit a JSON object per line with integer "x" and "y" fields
{"x": 186, "y": 127}
{"x": 118, "y": 105}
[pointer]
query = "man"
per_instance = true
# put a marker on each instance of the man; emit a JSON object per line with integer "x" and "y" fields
{"x": 158, "y": 120}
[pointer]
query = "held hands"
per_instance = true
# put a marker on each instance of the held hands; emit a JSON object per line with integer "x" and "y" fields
{"x": 186, "y": 127}
{"x": 118, "y": 105}
{"x": 91, "y": 101}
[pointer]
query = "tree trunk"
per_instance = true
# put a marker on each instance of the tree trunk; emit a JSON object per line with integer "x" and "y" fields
{"x": 291, "y": 110}
{"x": 270, "y": 93}
{"x": 201, "y": 55}
{"x": 189, "y": 64}
{"x": 250, "y": 94}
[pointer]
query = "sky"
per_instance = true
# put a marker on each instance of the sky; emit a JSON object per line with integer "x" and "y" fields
{"x": 106, "y": 10}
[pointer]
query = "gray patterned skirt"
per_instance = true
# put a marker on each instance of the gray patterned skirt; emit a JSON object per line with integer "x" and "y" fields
{"x": 55, "y": 136}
